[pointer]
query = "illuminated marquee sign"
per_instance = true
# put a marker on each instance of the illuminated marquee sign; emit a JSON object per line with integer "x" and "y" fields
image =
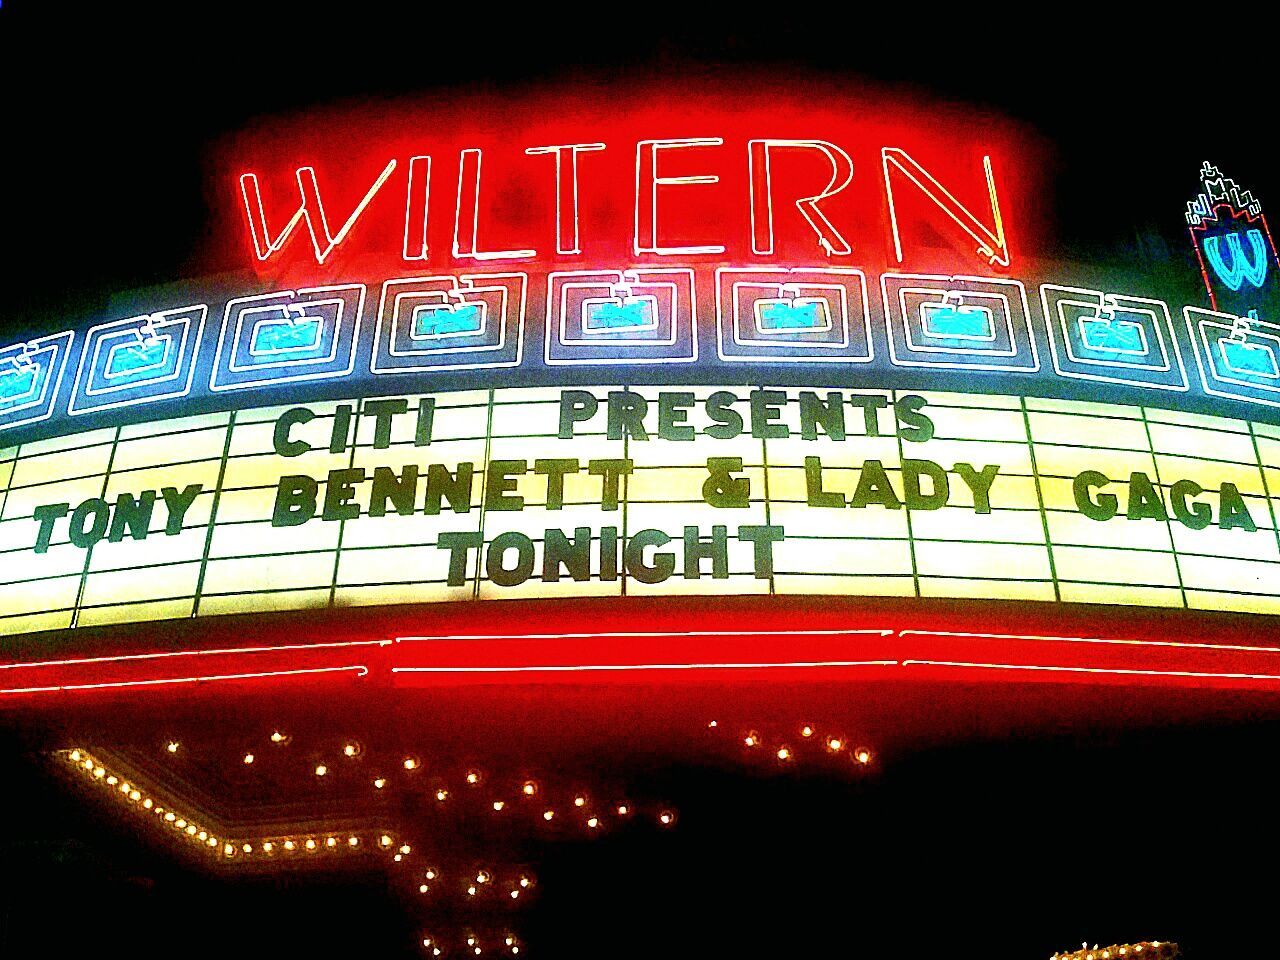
{"x": 634, "y": 491}
{"x": 570, "y": 360}
{"x": 830, "y": 247}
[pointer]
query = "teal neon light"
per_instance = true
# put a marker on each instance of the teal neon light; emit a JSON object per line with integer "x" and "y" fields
{"x": 781, "y": 315}
{"x": 966, "y": 323}
{"x": 1242, "y": 268}
{"x": 286, "y": 336}
{"x": 1250, "y": 359}
{"x": 134, "y": 361}
{"x": 1108, "y": 337}
{"x": 17, "y": 385}
{"x": 615, "y": 316}
{"x": 438, "y": 321}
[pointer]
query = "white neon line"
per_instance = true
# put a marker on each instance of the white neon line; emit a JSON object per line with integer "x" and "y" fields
{"x": 1137, "y": 643}
{"x": 602, "y": 667}
{"x": 193, "y": 653}
{"x": 1106, "y": 670}
{"x": 653, "y": 633}
{"x": 360, "y": 671}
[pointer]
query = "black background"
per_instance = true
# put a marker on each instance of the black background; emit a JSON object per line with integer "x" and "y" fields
{"x": 1001, "y": 850}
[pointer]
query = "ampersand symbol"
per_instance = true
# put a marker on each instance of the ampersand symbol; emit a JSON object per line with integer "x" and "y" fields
{"x": 721, "y": 488}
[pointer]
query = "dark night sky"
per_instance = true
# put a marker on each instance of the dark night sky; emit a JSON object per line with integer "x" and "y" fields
{"x": 107, "y": 113}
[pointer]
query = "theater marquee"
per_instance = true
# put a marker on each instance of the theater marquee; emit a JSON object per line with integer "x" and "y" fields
{"x": 761, "y": 357}
{"x": 612, "y": 491}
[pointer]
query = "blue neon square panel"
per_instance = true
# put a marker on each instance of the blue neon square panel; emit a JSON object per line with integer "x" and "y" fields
{"x": 944, "y": 320}
{"x": 1104, "y": 335}
{"x": 294, "y": 337}
{"x": 619, "y": 316}
{"x": 781, "y": 315}
{"x": 439, "y": 321}
{"x": 1249, "y": 358}
{"x": 19, "y": 385}
{"x": 137, "y": 361}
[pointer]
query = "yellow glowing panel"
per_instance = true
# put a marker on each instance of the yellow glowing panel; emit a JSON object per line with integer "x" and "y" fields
{"x": 1002, "y": 560}
{"x": 1218, "y": 573}
{"x": 243, "y": 539}
{"x": 678, "y": 586}
{"x": 1109, "y": 431}
{"x": 59, "y": 560}
{"x": 133, "y": 482}
{"x": 392, "y": 564}
{"x": 843, "y": 557}
{"x": 655, "y": 484}
{"x": 1210, "y": 474}
{"x": 22, "y": 502}
{"x": 401, "y": 593}
{"x": 1245, "y": 603}
{"x": 1012, "y": 458}
{"x": 988, "y": 589}
{"x": 803, "y": 521}
{"x": 580, "y": 448}
{"x": 264, "y": 601}
{"x": 958, "y": 423}
{"x": 267, "y": 469}
{"x": 1053, "y": 460}
{"x": 151, "y": 583}
{"x": 1194, "y": 442}
{"x": 533, "y": 522}
{"x": 961, "y": 523}
{"x": 1239, "y": 543}
{"x": 48, "y": 467}
{"x": 537, "y": 589}
{"x": 129, "y": 554}
{"x": 36, "y": 596}
{"x": 673, "y": 518}
{"x": 35, "y": 622}
{"x": 136, "y": 612}
{"x": 169, "y": 448}
{"x": 1120, "y": 593}
{"x": 74, "y": 441}
{"x": 1068, "y": 528}
{"x": 280, "y": 572}
{"x": 843, "y": 585}
{"x": 1115, "y": 566}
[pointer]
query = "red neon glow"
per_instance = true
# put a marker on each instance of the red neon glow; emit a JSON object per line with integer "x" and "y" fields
{"x": 732, "y": 171}
{"x": 670, "y": 657}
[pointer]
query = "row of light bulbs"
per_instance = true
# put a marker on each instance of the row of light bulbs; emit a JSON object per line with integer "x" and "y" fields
{"x": 134, "y": 794}
{"x": 1153, "y": 950}
{"x": 834, "y": 744}
{"x": 480, "y": 883}
{"x": 185, "y": 825}
{"x": 474, "y": 777}
{"x": 471, "y": 945}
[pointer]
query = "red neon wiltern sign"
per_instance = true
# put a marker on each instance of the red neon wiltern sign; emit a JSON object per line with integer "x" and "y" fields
{"x": 823, "y": 187}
